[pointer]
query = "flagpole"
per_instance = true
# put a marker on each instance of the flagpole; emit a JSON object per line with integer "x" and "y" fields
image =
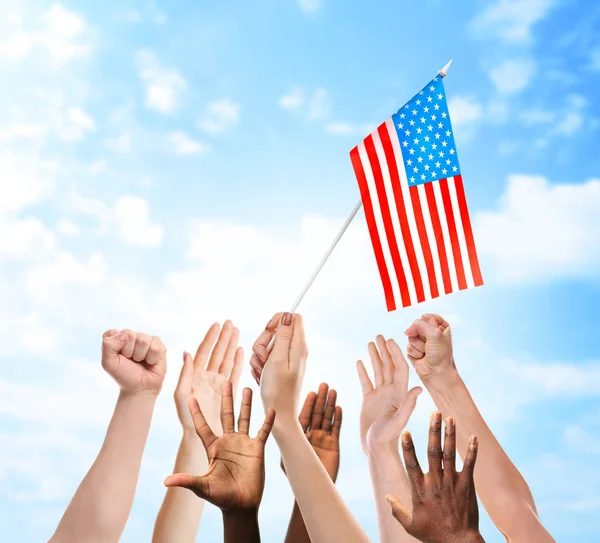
{"x": 443, "y": 72}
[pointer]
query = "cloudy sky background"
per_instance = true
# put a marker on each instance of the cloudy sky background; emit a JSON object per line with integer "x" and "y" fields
{"x": 165, "y": 166}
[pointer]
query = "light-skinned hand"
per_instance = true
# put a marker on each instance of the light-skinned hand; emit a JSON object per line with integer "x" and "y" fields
{"x": 236, "y": 473}
{"x": 444, "y": 506}
{"x": 321, "y": 421}
{"x": 136, "y": 361}
{"x": 282, "y": 375}
{"x": 430, "y": 346}
{"x": 218, "y": 358}
{"x": 386, "y": 406}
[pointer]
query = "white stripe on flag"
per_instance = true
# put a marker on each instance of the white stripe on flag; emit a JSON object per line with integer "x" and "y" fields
{"x": 439, "y": 279}
{"x": 460, "y": 230}
{"x": 437, "y": 191}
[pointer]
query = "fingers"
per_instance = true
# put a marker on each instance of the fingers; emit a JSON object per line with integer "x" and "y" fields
{"x": 421, "y": 328}
{"x": 376, "y": 363}
{"x": 245, "y": 412}
{"x": 141, "y": 346}
{"x": 112, "y": 344}
{"x": 259, "y": 349}
{"x": 307, "y": 410}
{"x": 229, "y": 357}
{"x": 256, "y": 368}
{"x": 399, "y": 512}
{"x": 363, "y": 376}
{"x": 434, "y": 447}
{"x": 128, "y": 339}
{"x": 400, "y": 365}
{"x": 265, "y": 431}
{"x": 220, "y": 348}
{"x": 408, "y": 406}
{"x": 468, "y": 470}
{"x": 317, "y": 414}
{"x": 413, "y": 469}
{"x": 435, "y": 318}
{"x": 203, "y": 351}
{"x": 329, "y": 411}
{"x": 256, "y": 374}
{"x": 386, "y": 359}
{"x": 227, "y": 413}
{"x": 156, "y": 351}
{"x": 283, "y": 339}
{"x": 203, "y": 430}
{"x": 416, "y": 348}
{"x": 337, "y": 422}
{"x": 449, "y": 453}
{"x": 238, "y": 366}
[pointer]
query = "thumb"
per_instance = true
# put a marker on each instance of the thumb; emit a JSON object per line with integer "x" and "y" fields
{"x": 399, "y": 512}
{"x": 185, "y": 377}
{"x": 196, "y": 483}
{"x": 421, "y": 328}
{"x": 408, "y": 406}
{"x": 112, "y": 343}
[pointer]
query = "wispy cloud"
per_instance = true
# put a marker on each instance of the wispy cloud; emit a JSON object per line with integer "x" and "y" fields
{"x": 164, "y": 86}
{"x": 220, "y": 117}
{"x": 315, "y": 105}
{"x": 184, "y": 145}
{"x": 310, "y": 6}
{"x": 513, "y": 75}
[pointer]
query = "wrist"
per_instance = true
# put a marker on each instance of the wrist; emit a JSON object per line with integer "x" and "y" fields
{"x": 469, "y": 537}
{"x": 138, "y": 396}
{"x": 241, "y": 525}
{"x": 382, "y": 448}
{"x": 441, "y": 380}
{"x": 286, "y": 424}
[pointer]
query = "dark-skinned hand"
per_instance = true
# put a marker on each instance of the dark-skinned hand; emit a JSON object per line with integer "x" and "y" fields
{"x": 235, "y": 478}
{"x": 321, "y": 421}
{"x": 444, "y": 508}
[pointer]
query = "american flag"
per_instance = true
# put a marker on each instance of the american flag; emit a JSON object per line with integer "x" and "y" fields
{"x": 414, "y": 200}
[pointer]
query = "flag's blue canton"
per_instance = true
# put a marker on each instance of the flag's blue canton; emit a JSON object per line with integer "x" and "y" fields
{"x": 426, "y": 137}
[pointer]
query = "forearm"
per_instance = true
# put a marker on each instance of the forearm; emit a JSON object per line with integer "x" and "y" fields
{"x": 501, "y": 488}
{"x": 241, "y": 527}
{"x": 388, "y": 476}
{"x": 102, "y": 503}
{"x": 297, "y": 532}
{"x": 181, "y": 510}
{"x": 326, "y": 516}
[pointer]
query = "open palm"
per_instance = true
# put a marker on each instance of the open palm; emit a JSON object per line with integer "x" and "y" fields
{"x": 236, "y": 473}
{"x": 387, "y": 406}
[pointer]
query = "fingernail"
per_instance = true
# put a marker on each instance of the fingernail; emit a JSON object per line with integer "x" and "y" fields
{"x": 184, "y": 353}
{"x": 473, "y": 441}
{"x": 449, "y": 422}
{"x": 286, "y": 319}
{"x": 388, "y": 499}
{"x": 406, "y": 437}
{"x": 260, "y": 358}
{"x": 122, "y": 336}
{"x": 436, "y": 417}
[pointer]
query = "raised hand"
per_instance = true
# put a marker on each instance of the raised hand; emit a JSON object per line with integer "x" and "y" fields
{"x": 387, "y": 406}
{"x": 236, "y": 474}
{"x": 282, "y": 375}
{"x": 321, "y": 421}
{"x": 203, "y": 376}
{"x": 430, "y": 346}
{"x": 444, "y": 504}
{"x": 136, "y": 361}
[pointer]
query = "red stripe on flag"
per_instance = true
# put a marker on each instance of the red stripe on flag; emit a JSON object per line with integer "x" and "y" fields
{"x": 466, "y": 221}
{"x": 458, "y": 263}
{"x": 418, "y": 211}
{"x": 368, "y": 207}
{"x": 387, "y": 219}
{"x": 439, "y": 236}
{"x": 401, "y": 208}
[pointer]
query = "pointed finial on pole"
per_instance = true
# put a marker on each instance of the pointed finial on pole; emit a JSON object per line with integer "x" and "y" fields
{"x": 444, "y": 71}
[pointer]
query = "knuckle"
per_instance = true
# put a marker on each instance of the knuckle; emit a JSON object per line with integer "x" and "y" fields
{"x": 434, "y": 452}
{"x": 449, "y": 455}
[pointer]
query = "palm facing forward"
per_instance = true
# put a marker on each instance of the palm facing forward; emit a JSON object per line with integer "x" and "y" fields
{"x": 235, "y": 478}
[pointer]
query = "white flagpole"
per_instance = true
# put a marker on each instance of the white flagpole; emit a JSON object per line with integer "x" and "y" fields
{"x": 443, "y": 72}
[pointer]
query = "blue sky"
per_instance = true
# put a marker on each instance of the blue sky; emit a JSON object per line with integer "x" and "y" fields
{"x": 163, "y": 166}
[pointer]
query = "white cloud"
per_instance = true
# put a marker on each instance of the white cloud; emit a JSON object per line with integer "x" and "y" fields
{"x": 164, "y": 86}
{"x": 96, "y": 167}
{"x": 537, "y": 116}
{"x": 512, "y": 76}
{"x": 22, "y": 131}
{"x": 184, "y": 145}
{"x": 68, "y": 228}
{"x": 294, "y": 100}
{"x": 349, "y": 129}
{"x": 120, "y": 144}
{"x": 511, "y": 20}
{"x": 29, "y": 238}
{"x": 464, "y": 111}
{"x": 129, "y": 16}
{"x": 220, "y": 117}
{"x": 134, "y": 227}
{"x": 542, "y": 232}
{"x": 309, "y": 6}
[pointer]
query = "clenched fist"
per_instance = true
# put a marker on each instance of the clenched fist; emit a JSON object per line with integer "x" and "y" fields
{"x": 138, "y": 362}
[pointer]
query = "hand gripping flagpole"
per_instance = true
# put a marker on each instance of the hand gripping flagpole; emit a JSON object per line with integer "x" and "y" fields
{"x": 443, "y": 72}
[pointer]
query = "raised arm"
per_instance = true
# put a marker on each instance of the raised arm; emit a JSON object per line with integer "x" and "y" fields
{"x": 501, "y": 488}
{"x": 326, "y": 516}
{"x": 444, "y": 503}
{"x": 201, "y": 378}
{"x": 386, "y": 408}
{"x": 235, "y": 479}
{"x": 99, "y": 509}
{"x": 321, "y": 421}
